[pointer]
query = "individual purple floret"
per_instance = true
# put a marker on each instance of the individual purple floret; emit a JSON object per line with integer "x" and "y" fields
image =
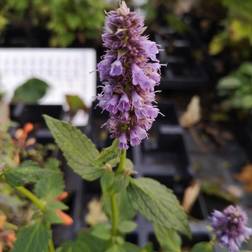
{"x": 129, "y": 72}
{"x": 230, "y": 227}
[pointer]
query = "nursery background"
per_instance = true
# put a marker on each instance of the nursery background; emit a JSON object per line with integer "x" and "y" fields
{"x": 200, "y": 145}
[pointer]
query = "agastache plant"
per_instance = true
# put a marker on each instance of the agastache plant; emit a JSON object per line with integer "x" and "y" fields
{"x": 129, "y": 72}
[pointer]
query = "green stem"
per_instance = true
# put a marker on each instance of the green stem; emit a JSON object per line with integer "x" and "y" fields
{"x": 114, "y": 206}
{"x": 39, "y": 204}
{"x": 121, "y": 165}
{"x": 51, "y": 246}
{"x": 32, "y": 197}
{"x": 115, "y": 215}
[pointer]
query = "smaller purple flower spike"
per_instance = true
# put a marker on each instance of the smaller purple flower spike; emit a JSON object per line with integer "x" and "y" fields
{"x": 129, "y": 72}
{"x": 230, "y": 227}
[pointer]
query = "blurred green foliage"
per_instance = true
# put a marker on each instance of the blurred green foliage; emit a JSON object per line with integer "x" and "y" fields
{"x": 67, "y": 20}
{"x": 236, "y": 88}
{"x": 70, "y": 19}
{"x": 237, "y": 26}
{"x": 162, "y": 12}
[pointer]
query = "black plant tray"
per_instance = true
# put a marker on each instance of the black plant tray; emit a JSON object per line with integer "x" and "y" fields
{"x": 243, "y": 132}
{"x": 184, "y": 70}
{"x": 98, "y": 134}
{"x": 183, "y": 75}
{"x": 163, "y": 156}
{"x": 33, "y": 113}
{"x": 24, "y": 113}
{"x": 174, "y": 45}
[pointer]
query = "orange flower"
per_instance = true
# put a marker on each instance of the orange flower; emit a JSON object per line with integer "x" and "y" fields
{"x": 28, "y": 128}
{"x": 62, "y": 196}
{"x": 66, "y": 219}
{"x": 22, "y": 134}
{"x": 10, "y": 238}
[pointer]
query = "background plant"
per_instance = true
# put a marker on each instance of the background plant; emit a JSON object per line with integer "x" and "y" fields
{"x": 236, "y": 89}
{"x": 237, "y": 28}
{"x": 66, "y": 20}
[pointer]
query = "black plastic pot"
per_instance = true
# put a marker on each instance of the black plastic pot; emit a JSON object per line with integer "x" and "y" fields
{"x": 183, "y": 75}
{"x": 33, "y": 113}
{"x": 95, "y": 131}
{"x": 20, "y": 36}
{"x": 24, "y": 113}
{"x": 243, "y": 132}
{"x": 184, "y": 71}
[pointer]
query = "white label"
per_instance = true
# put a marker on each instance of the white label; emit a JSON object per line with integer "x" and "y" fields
{"x": 67, "y": 71}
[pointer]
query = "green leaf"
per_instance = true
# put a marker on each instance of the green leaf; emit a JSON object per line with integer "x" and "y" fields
{"x": 78, "y": 150}
{"x": 101, "y": 231}
{"x": 50, "y": 216}
{"x": 116, "y": 248}
{"x": 7, "y": 154}
{"x": 158, "y": 204}
{"x": 169, "y": 240}
{"x": 75, "y": 103}
{"x": 121, "y": 182}
{"x": 218, "y": 43}
{"x": 127, "y": 227}
{"x": 126, "y": 247}
{"x": 129, "y": 166}
{"x": 75, "y": 246}
{"x": 110, "y": 155}
{"x": 23, "y": 175}
{"x": 107, "y": 181}
{"x": 32, "y": 238}
{"x": 126, "y": 210}
{"x": 31, "y": 91}
{"x": 203, "y": 247}
{"x": 51, "y": 184}
{"x": 93, "y": 243}
{"x": 246, "y": 68}
{"x": 229, "y": 83}
{"x": 147, "y": 248}
{"x": 114, "y": 183}
{"x": 129, "y": 247}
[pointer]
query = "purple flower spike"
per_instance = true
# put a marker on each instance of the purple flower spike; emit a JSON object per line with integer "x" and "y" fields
{"x": 129, "y": 71}
{"x": 111, "y": 105}
{"x": 116, "y": 68}
{"x": 230, "y": 227}
{"x": 151, "y": 49}
{"x": 140, "y": 78}
{"x": 124, "y": 103}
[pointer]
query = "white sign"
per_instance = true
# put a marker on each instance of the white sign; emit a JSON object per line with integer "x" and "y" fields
{"x": 67, "y": 71}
